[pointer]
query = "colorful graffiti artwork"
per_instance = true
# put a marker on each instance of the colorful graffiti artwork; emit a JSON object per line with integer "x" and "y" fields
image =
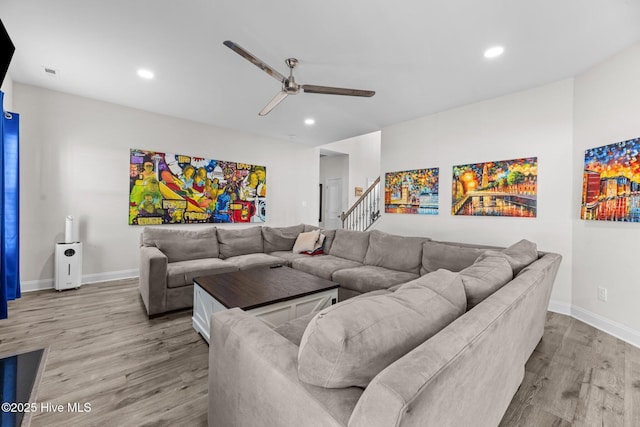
{"x": 611, "y": 182}
{"x": 500, "y": 188}
{"x": 176, "y": 189}
{"x": 412, "y": 192}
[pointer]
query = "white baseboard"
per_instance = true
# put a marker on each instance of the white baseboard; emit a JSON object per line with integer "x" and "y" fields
{"x": 611, "y": 327}
{"x": 39, "y": 285}
{"x": 560, "y": 307}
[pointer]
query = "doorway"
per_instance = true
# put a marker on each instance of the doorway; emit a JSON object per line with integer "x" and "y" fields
{"x": 333, "y": 199}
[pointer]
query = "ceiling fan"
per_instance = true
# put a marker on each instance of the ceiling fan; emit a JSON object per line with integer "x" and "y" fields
{"x": 289, "y": 85}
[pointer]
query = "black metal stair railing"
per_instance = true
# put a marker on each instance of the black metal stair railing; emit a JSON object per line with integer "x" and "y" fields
{"x": 365, "y": 211}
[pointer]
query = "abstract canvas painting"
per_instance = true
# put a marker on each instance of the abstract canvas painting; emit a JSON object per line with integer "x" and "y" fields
{"x": 166, "y": 188}
{"x": 412, "y": 192}
{"x": 499, "y": 188}
{"x": 611, "y": 182}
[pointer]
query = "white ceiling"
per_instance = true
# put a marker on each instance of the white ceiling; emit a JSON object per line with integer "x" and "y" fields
{"x": 420, "y": 56}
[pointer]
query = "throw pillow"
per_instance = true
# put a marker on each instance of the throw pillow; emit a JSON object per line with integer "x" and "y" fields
{"x": 349, "y": 343}
{"x": 319, "y": 245}
{"x": 306, "y": 241}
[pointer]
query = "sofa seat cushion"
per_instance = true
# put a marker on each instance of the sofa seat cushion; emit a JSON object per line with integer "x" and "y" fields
{"x": 437, "y": 255}
{"x": 370, "y": 278}
{"x": 280, "y": 238}
{"x": 233, "y": 242}
{"x": 488, "y": 274}
{"x": 294, "y": 329}
{"x": 323, "y": 265}
{"x": 182, "y": 273}
{"x": 182, "y": 245}
{"x": 244, "y": 262}
{"x": 349, "y": 343}
{"x": 395, "y": 252}
{"x": 288, "y": 256}
{"x": 350, "y": 244}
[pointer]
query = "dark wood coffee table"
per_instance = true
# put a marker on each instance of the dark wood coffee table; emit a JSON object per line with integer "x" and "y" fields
{"x": 274, "y": 295}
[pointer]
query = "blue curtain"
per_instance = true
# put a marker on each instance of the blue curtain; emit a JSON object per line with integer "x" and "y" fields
{"x": 9, "y": 204}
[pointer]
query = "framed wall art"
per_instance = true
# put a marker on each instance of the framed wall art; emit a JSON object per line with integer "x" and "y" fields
{"x": 167, "y": 188}
{"x": 611, "y": 182}
{"x": 498, "y": 188}
{"x": 412, "y": 192}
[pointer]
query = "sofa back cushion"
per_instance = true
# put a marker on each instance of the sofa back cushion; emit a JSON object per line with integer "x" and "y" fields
{"x": 350, "y": 244}
{"x": 182, "y": 245}
{"x": 281, "y": 238}
{"x": 351, "y": 342}
{"x": 395, "y": 252}
{"x": 329, "y": 235}
{"x": 521, "y": 254}
{"x": 488, "y": 274}
{"x": 436, "y": 255}
{"x": 309, "y": 227}
{"x": 234, "y": 242}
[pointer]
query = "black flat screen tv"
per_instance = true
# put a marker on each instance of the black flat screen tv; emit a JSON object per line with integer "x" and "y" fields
{"x": 6, "y": 51}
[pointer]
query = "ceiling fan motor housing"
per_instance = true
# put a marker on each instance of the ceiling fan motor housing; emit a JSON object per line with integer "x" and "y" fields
{"x": 290, "y": 86}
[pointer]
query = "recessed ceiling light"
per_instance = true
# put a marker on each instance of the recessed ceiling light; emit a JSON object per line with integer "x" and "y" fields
{"x": 309, "y": 121}
{"x": 493, "y": 52}
{"x": 145, "y": 74}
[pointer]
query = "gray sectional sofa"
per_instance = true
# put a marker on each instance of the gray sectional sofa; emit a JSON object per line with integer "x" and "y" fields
{"x": 360, "y": 261}
{"x": 171, "y": 258}
{"x": 426, "y": 333}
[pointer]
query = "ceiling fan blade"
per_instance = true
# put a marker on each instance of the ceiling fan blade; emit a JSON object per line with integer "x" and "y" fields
{"x": 337, "y": 90}
{"x": 280, "y": 96}
{"x": 257, "y": 62}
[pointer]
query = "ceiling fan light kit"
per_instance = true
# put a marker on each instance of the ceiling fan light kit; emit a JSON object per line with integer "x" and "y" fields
{"x": 289, "y": 85}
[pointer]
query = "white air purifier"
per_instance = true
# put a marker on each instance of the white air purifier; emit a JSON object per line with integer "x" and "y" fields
{"x": 68, "y": 266}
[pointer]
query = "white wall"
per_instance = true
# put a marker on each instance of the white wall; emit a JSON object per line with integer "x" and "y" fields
{"x": 607, "y": 110}
{"x": 536, "y": 122}
{"x": 74, "y": 160}
{"x": 364, "y": 160}
{"x": 7, "y": 88}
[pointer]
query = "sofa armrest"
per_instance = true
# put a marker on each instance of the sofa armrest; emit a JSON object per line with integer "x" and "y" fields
{"x": 253, "y": 379}
{"x": 153, "y": 279}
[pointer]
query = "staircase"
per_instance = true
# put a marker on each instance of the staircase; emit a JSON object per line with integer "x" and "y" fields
{"x": 365, "y": 211}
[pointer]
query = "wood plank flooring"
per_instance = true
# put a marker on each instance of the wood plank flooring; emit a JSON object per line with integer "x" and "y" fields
{"x": 103, "y": 350}
{"x": 578, "y": 376}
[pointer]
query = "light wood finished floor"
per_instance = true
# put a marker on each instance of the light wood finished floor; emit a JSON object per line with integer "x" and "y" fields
{"x": 139, "y": 372}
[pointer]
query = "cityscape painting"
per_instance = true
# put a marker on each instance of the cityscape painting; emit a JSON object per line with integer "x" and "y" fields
{"x": 499, "y": 188}
{"x": 611, "y": 182}
{"x": 167, "y": 188}
{"x": 412, "y": 192}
